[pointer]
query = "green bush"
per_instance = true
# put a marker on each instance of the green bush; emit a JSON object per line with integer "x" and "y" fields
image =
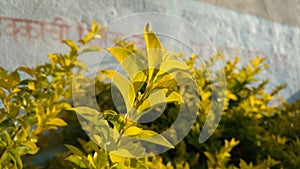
{"x": 256, "y": 130}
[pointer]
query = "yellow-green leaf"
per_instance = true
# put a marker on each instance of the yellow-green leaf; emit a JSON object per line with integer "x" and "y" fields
{"x": 95, "y": 31}
{"x": 72, "y": 45}
{"x": 33, "y": 149}
{"x": 138, "y": 81}
{"x": 91, "y": 49}
{"x": 91, "y": 115}
{"x": 153, "y": 137}
{"x": 154, "y": 49}
{"x": 57, "y": 122}
{"x": 127, "y": 59}
{"x": 2, "y": 94}
{"x": 74, "y": 150}
{"x": 132, "y": 131}
{"x": 27, "y": 70}
{"x": 14, "y": 78}
{"x": 124, "y": 86}
{"x": 76, "y": 160}
{"x": 116, "y": 159}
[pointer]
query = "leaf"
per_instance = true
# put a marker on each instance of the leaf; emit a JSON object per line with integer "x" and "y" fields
{"x": 3, "y": 157}
{"x": 73, "y": 47}
{"x": 2, "y": 94}
{"x": 101, "y": 158}
{"x": 244, "y": 165}
{"x": 3, "y": 72}
{"x": 91, "y": 115}
{"x": 27, "y": 70}
{"x": 7, "y": 137}
{"x": 159, "y": 97}
{"x": 15, "y": 155}
{"x": 14, "y": 79}
{"x": 153, "y": 137}
{"x": 173, "y": 79}
{"x": 33, "y": 149}
{"x": 76, "y": 160}
{"x": 91, "y": 161}
{"x": 116, "y": 119}
{"x": 132, "y": 131}
{"x": 124, "y": 86}
{"x": 57, "y": 122}
{"x": 95, "y": 32}
{"x": 81, "y": 65}
{"x": 171, "y": 65}
{"x": 138, "y": 81}
{"x": 210, "y": 157}
{"x": 75, "y": 150}
{"x": 54, "y": 58}
{"x": 155, "y": 98}
{"x": 154, "y": 49}
{"x": 116, "y": 159}
{"x": 91, "y": 49}
{"x": 127, "y": 59}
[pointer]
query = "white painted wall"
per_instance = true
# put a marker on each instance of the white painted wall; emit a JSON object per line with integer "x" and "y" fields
{"x": 234, "y": 33}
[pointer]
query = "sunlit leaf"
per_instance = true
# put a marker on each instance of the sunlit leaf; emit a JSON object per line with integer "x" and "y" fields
{"x": 33, "y": 149}
{"x": 95, "y": 32}
{"x": 124, "y": 86}
{"x": 116, "y": 119}
{"x": 74, "y": 150}
{"x": 91, "y": 115}
{"x": 127, "y": 59}
{"x": 57, "y": 122}
{"x": 153, "y": 137}
{"x": 91, "y": 49}
{"x": 73, "y": 47}
{"x": 154, "y": 49}
{"x": 132, "y": 131}
{"x": 27, "y": 70}
{"x": 76, "y": 160}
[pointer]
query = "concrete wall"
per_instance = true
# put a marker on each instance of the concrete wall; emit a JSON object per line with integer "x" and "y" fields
{"x": 31, "y": 29}
{"x": 281, "y": 11}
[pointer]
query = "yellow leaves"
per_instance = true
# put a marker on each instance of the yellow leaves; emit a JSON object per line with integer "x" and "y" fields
{"x": 95, "y": 32}
{"x": 280, "y": 140}
{"x": 171, "y": 65}
{"x": 154, "y": 49}
{"x": 116, "y": 119}
{"x": 91, "y": 115}
{"x": 27, "y": 70}
{"x": 116, "y": 159}
{"x": 257, "y": 61}
{"x": 127, "y": 59}
{"x": 153, "y": 137}
{"x": 157, "y": 98}
{"x": 265, "y": 164}
{"x": 53, "y": 59}
{"x": 221, "y": 157}
{"x": 73, "y": 47}
{"x": 91, "y": 49}
{"x": 132, "y": 131}
{"x": 152, "y": 41}
{"x": 9, "y": 81}
{"x": 232, "y": 143}
{"x": 124, "y": 86}
{"x": 31, "y": 85}
{"x": 57, "y": 122}
{"x": 2, "y": 94}
{"x": 14, "y": 78}
{"x": 231, "y": 96}
{"x": 33, "y": 149}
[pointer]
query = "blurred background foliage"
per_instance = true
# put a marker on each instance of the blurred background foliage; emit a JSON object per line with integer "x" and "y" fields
{"x": 39, "y": 129}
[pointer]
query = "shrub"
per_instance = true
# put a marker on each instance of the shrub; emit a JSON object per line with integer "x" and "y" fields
{"x": 253, "y": 132}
